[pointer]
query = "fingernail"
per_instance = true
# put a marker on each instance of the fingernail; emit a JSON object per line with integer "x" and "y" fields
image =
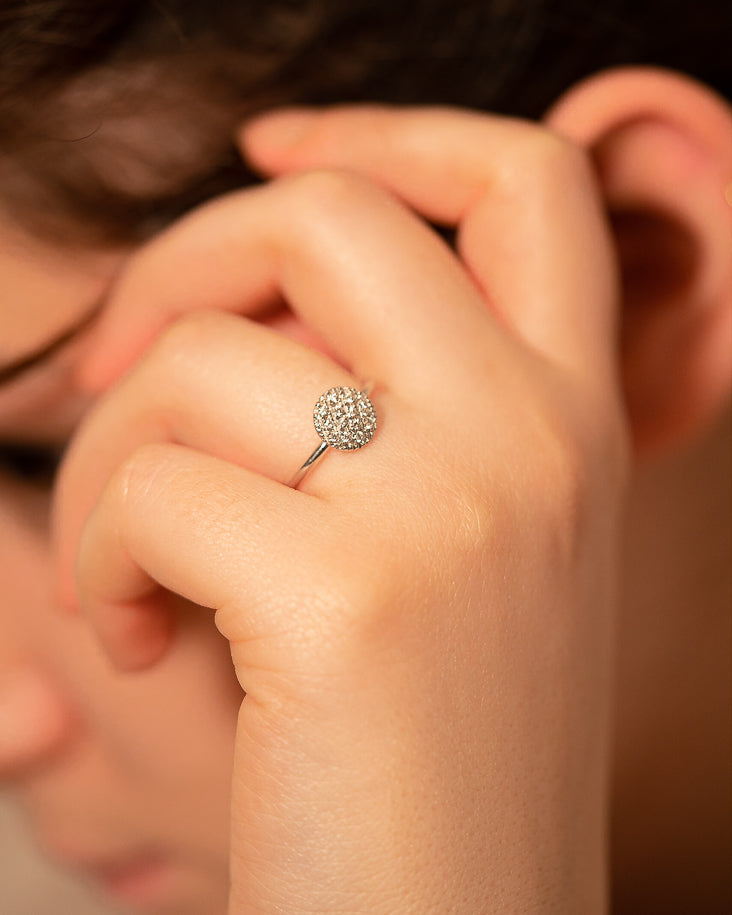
{"x": 281, "y": 129}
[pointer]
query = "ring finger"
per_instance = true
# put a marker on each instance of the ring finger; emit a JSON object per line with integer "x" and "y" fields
{"x": 216, "y": 383}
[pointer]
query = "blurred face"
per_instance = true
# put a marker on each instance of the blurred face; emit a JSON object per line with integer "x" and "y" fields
{"x": 124, "y": 776}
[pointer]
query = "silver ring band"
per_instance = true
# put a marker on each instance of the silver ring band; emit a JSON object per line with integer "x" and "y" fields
{"x": 345, "y": 419}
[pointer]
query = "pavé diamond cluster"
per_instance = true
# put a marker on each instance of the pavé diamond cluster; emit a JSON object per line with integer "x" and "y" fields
{"x": 345, "y": 418}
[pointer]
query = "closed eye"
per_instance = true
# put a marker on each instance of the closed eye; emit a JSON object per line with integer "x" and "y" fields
{"x": 31, "y": 463}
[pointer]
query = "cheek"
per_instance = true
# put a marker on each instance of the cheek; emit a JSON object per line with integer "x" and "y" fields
{"x": 185, "y": 738}
{"x": 181, "y": 714}
{"x": 36, "y": 722}
{"x": 177, "y": 719}
{"x": 24, "y": 564}
{"x": 152, "y": 752}
{"x": 170, "y": 731}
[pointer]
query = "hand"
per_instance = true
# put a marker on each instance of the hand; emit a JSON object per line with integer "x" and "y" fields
{"x": 425, "y": 631}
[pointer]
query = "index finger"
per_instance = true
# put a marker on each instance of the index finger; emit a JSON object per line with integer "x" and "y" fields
{"x": 383, "y": 291}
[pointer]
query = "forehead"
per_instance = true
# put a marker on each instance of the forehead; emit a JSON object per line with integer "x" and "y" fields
{"x": 44, "y": 288}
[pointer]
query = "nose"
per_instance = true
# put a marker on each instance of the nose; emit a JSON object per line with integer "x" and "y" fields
{"x": 34, "y": 722}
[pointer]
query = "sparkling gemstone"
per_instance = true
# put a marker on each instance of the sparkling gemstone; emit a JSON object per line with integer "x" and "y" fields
{"x": 345, "y": 418}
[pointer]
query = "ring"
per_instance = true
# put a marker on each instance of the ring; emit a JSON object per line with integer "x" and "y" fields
{"x": 345, "y": 419}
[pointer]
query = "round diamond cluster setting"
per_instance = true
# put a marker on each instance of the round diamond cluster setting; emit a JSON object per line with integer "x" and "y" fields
{"x": 345, "y": 418}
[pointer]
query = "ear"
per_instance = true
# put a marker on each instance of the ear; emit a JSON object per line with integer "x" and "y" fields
{"x": 662, "y": 146}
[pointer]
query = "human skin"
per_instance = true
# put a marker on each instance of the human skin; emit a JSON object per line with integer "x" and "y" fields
{"x": 646, "y": 128}
{"x": 110, "y": 770}
{"x": 105, "y": 766}
{"x": 428, "y": 705}
{"x": 671, "y": 793}
{"x": 111, "y": 413}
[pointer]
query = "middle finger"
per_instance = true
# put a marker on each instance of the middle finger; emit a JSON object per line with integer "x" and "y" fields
{"x": 381, "y": 289}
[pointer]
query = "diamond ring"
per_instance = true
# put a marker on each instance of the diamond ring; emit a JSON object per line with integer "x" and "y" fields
{"x": 345, "y": 419}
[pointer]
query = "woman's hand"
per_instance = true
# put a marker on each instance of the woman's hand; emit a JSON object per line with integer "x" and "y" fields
{"x": 424, "y": 631}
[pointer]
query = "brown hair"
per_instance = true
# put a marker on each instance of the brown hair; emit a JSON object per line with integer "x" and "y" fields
{"x": 117, "y": 117}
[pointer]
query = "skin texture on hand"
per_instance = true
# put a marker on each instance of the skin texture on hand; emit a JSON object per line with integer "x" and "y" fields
{"x": 425, "y": 630}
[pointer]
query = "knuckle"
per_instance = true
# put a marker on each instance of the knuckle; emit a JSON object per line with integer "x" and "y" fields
{"x": 543, "y": 157}
{"x": 609, "y": 446}
{"x": 182, "y": 342}
{"x": 157, "y": 479}
{"x": 380, "y": 586}
{"x": 562, "y": 488}
{"x": 558, "y": 152}
{"x": 567, "y": 476}
{"x": 329, "y": 191}
{"x": 140, "y": 471}
{"x": 561, "y": 452}
{"x": 359, "y": 589}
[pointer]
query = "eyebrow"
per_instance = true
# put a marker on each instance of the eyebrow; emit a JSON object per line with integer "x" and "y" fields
{"x": 11, "y": 371}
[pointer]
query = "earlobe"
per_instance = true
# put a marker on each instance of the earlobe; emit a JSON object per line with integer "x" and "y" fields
{"x": 662, "y": 147}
